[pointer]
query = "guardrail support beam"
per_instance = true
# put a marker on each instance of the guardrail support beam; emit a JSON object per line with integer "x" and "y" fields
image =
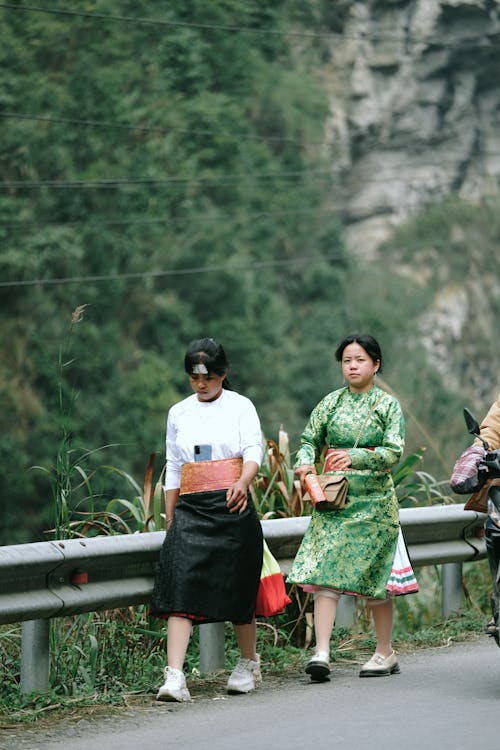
{"x": 35, "y": 656}
{"x": 211, "y": 646}
{"x": 452, "y": 593}
{"x": 346, "y": 612}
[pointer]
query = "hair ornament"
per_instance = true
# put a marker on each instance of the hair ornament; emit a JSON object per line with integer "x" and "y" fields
{"x": 200, "y": 369}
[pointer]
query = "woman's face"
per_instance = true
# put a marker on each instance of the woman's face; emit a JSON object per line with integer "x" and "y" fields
{"x": 358, "y": 368}
{"x": 207, "y": 387}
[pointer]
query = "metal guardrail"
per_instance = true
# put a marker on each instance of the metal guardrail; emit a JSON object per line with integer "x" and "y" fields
{"x": 53, "y": 579}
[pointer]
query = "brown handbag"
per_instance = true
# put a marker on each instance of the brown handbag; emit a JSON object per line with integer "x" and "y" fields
{"x": 335, "y": 488}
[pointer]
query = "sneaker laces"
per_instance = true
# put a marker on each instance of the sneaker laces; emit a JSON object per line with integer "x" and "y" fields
{"x": 246, "y": 665}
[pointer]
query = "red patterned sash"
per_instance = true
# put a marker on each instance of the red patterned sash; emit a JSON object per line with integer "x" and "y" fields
{"x": 204, "y": 476}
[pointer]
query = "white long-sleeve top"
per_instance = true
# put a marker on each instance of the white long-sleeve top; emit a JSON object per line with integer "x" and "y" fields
{"x": 230, "y": 424}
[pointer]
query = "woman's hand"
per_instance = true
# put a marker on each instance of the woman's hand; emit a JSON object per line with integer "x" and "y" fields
{"x": 338, "y": 459}
{"x": 301, "y": 471}
{"x": 237, "y": 496}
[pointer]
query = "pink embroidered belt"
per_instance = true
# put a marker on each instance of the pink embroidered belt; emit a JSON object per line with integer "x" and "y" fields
{"x": 205, "y": 476}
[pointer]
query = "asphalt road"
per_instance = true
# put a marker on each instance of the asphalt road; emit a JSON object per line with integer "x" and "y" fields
{"x": 444, "y": 698}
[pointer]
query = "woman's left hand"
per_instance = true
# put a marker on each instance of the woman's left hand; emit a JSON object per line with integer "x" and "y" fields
{"x": 338, "y": 459}
{"x": 237, "y": 497}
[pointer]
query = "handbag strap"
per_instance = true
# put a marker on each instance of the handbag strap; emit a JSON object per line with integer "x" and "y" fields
{"x": 372, "y": 409}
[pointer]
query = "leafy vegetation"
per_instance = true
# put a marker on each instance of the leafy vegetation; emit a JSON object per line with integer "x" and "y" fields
{"x": 174, "y": 188}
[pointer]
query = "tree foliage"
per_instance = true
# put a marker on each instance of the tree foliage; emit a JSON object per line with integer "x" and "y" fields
{"x": 166, "y": 175}
{"x": 172, "y": 178}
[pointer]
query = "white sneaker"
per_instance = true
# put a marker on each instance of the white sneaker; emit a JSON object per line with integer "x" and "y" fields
{"x": 245, "y": 676}
{"x": 319, "y": 667}
{"x": 174, "y": 688}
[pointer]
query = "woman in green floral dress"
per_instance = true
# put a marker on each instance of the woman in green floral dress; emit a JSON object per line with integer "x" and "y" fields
{"x": 360, "y": 549}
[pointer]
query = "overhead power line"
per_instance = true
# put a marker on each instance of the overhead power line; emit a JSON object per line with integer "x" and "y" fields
{"x": 217, "y": 218}
{"x": 161, "y": 22}
{"x": 254, "y": 265}
{"x": 112, "y": 183}
{"x": 129, "y": 127}
{"x": 157, "y": 130}
{"x": 166, "y": 23}
{"x": 198, "y": 219}
{"x": 118, "y": 182}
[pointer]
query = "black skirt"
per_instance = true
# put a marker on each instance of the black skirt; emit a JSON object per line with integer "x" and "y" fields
{"x": 210, "y": 561}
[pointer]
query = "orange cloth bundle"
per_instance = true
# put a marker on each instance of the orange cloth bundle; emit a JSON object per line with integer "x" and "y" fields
{"x": 205, "y": 476}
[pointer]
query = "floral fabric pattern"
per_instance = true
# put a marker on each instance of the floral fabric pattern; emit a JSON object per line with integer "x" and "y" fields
{"x": 352, "y": 550}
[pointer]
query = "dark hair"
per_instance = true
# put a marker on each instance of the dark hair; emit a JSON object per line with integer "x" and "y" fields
{"x": 209, "y": 353}
{"x": 369, "y": 344}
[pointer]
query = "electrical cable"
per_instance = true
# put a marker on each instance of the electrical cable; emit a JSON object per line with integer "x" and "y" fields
{"x": 162, "y": 23}
{"x": 98, "y": 224}
{"x": 173, "y": 272}
{"x": 159, "y": 131}
{"x": 118, "y": 182}
{"x": 185, "y": 131}
{"x": 339, "y": 211}
{"x": 206, "y": 182}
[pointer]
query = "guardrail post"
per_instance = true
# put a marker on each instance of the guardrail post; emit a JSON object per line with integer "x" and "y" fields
{"x": 452, "y": 594}
{"x": 35, "y": 656}
{"x": 211, "y": 646}
{"x": 346, "y": 612}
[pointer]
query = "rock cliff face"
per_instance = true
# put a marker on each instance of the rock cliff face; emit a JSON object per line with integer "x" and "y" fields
{"x": 414, "y": 87}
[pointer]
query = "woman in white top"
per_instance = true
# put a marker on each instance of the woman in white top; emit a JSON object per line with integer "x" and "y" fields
{"x": 211, "y": 559}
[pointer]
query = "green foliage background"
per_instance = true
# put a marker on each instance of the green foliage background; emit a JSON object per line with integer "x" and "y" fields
{"x": 174, "y": 179}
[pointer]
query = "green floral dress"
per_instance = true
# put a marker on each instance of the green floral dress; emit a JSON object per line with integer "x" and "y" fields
{"x": 352, "y": 550}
